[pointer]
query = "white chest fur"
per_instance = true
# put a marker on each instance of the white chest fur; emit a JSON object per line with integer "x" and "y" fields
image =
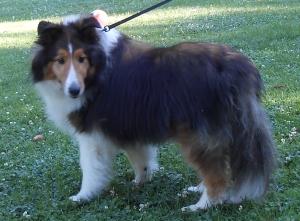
{"x": 57, "y": 105}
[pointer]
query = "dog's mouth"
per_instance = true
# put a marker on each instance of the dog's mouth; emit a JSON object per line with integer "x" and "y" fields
{"x": 74, "y": 96}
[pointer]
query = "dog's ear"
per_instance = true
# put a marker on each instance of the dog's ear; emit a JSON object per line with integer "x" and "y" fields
{"x": 48, "y": 32}
{"x": 101, "y": 16}
{"x": 89, "y": 22}
{"x": 87, "y": 30}
{"x": 44, "y": 26}
{"x": 97, "y": 19}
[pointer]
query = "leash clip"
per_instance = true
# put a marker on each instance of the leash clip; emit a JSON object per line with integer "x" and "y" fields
{"x": 106, "y": 28}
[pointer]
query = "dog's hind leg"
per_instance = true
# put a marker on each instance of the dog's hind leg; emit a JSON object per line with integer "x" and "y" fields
{"x": 212, "y": 163}
{"x": 215, "y": 184}
{"x": 144, "y": 162}
{"x": 96, "y": 154}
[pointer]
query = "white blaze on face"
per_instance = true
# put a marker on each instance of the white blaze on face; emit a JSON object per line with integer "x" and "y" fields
{"x": 70, "y": 68}
{"x": 72, "y": 84}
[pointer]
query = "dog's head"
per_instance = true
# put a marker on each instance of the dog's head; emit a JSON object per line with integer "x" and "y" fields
{"x": 69, "y": 53}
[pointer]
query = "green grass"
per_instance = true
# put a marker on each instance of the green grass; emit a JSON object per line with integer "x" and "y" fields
{"x": 36, "y": 178}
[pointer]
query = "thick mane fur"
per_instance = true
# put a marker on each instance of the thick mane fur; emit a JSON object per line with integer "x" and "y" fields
{"x": 195, "y": 88}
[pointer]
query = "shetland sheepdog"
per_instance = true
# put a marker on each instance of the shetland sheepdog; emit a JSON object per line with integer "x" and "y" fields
{"x": 113, "y": 93}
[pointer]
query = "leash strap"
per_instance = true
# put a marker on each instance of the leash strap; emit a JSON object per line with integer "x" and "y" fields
{"x": 109, "y": 27}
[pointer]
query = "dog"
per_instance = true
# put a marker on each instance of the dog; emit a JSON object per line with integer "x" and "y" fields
{"x": 113, "y": 93}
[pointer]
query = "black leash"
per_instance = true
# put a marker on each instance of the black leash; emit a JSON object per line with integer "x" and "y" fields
{"x": 109, "y": 27}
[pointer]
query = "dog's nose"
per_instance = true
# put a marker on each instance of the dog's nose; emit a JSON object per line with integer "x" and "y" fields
{"x": 74, "y": 90}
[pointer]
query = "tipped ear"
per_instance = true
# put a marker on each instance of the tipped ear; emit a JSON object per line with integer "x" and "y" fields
{"x": 43, "y": 26}
{"x": 48, "y": 32}
{"x": 101, "y": 17}
{"x": 87, "y": 30}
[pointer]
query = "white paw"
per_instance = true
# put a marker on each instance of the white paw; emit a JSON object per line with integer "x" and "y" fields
{"x": 137, "y": 182}
{"x": 197, "y": 189}
{"x": 140, "y": 180}
{"x": 75, "y": 198}
{"x": 79, "y": 198}
{"x": 196, "y": 207}
{"x": 202, "y": 204}
{"x": 191, "y": 208}
{"x": 145, "y": 175}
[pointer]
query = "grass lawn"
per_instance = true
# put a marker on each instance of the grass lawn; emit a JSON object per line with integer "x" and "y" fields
{"x": 36, "y": 178}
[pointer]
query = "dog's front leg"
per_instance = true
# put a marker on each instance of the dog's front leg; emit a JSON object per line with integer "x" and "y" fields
{"x": 96, "y": 154}
{"x": 144, "y": 162}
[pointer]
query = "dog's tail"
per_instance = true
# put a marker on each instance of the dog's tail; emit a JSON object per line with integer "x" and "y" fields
{"x": 253, "y": 153}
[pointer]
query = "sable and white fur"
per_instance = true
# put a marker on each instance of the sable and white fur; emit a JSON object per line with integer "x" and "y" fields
{"x": 113, "y": 93}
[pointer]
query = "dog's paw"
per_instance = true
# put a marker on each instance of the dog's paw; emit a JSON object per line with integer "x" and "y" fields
{"x": 75, "y": 198}
{"x": 192, "y": 208}
{"x": 79, "y": 198}
{"x": 196, "y": 207}
{"x": 204, "y": 203}
{"x": 140, "y": 180}
{"x": 137, "y": 182}
{"x": 145, "y": 175}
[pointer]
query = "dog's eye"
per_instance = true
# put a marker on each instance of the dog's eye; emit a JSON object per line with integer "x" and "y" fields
{"x": 81, "y": 59}
{"x": 61, "y": 60}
